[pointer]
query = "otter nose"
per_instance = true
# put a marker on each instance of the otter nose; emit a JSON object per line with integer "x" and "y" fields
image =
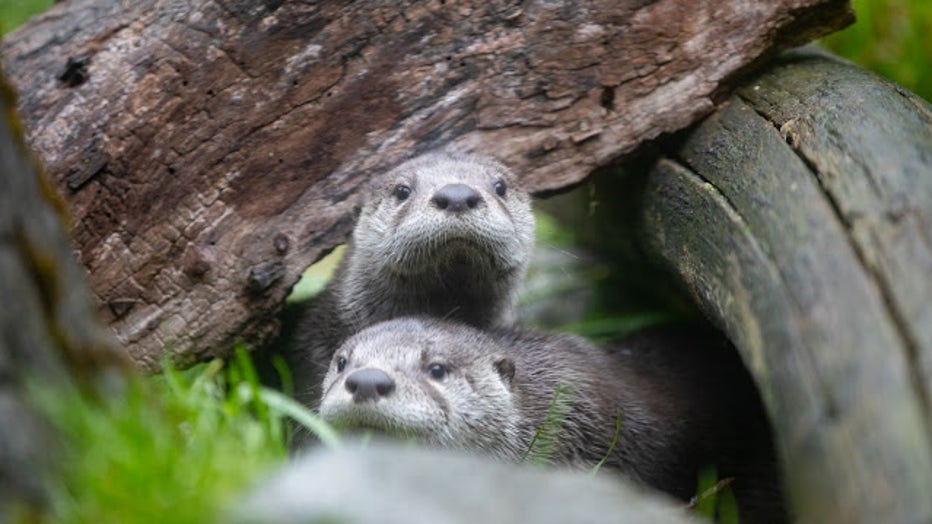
{"x": 369, "y": 384}
{"x": 456, "y": 198}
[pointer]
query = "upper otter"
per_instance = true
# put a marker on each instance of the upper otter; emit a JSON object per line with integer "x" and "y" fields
{"x": 678, "y": 406}
{"x": 447, "y": 235}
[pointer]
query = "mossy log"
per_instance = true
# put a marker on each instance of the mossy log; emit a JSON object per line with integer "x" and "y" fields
{"x": 50, "y": 336}
{"x": 211, "y": 152}
{"x": 799, "y": 217}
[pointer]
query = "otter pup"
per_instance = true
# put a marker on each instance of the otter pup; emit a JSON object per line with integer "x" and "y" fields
{"x": 670, "y": 402}
{"x": 447, "y": 235}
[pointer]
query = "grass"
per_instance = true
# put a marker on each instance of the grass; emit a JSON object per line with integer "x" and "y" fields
{"x": 543, "y": 444}
{"x": 714, "y": 498}
{"x": 14, "y": 12}
{"x": 180, "y": 446}
{"x": 892, "y": 38}
{"x": 177, "y": 447}
{"x": 611, "y": 447}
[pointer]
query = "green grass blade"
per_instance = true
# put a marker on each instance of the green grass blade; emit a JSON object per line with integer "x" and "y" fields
{"x": 300, "y": 414}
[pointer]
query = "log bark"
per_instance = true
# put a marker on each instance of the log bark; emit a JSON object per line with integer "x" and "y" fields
{"x": 49, "y": 333}
{"x": 799, "y": 218}
{"x": 211, "y": 152}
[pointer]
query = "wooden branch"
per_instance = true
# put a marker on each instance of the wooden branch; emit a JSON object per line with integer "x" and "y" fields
{"x": 799, "y": 217}
{"x": 210, "y": 152}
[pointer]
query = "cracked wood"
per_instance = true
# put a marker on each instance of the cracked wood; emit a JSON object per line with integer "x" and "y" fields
{"x": 798, "y": 217}
{"x": 188, "y": 138}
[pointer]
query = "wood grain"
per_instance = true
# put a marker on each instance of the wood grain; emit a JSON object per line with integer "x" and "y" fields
{"x": 798, "y": 218}
{"x": 211, "y": 151}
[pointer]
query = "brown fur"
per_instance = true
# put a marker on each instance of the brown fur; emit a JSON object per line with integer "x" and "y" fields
{"x": 683, "y": 399}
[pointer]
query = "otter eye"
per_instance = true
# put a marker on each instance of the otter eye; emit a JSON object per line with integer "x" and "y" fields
{"x": 499, "y": 188}
{"x": 341, "y": 364}
{"x": 437, "y": 371}
{"x": 402, "y": 192}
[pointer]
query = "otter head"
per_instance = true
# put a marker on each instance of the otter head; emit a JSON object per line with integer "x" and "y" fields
{"x": 441, "y": 383}
{"x": 439, "y": 224}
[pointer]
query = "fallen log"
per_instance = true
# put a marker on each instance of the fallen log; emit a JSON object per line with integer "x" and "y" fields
{"x": 209, "y": 153}
{"x": 798, "y": 217}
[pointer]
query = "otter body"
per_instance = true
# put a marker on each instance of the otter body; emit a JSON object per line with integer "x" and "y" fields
{"x": 670, "y": 407}
{"x": 443, "y": 235}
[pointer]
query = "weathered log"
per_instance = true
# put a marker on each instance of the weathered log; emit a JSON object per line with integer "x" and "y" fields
{"x": 799, "y": 217}
{"x": 211, "y": 152}
{"x": 49, "y": 333}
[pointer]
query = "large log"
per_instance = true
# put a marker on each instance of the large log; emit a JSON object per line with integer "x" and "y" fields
{"x": 210, "y": 152}
{"x": 49, "y": 334}
{"x": 799, "y": 218}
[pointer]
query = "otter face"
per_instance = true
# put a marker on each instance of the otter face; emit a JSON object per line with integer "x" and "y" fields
{"x": 439, "y": 210}
{"x": 411, "y": 377}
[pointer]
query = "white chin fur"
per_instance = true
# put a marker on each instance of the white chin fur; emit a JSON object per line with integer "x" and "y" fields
{"x": 381, "y": 415}
{"x": 418, "y": 248}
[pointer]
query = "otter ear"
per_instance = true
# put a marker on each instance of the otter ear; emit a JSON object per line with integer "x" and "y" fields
{"x": 506, "y": 369}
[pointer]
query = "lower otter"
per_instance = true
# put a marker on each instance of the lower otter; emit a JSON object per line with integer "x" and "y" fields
{"x": 654, "y": 405}
{"x": 446, "y": 235}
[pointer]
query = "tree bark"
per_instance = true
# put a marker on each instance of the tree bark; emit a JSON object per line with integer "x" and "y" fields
{"x": 799, "y": 218}
{"x": 49, "y": 333}
{"x": 211, "y": 152}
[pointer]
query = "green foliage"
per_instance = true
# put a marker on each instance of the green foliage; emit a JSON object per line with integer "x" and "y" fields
{"x": 549, "y": 230}
{"x": 603, "y": 326}
{"x": 171, "y": 448}
{"x": 892, "y": 38}
{"x": 15, "y": 12}
{"x": 611, "y": 448}
{"x": 544, "y": 443}
{"x": 315, "y": 278}
{"x": 714, "y": 498}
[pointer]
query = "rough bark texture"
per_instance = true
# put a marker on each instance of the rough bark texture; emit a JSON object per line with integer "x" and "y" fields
{"x": 799, "y": 217}
{"x": 211, "y": 151}
{"x": 49, "y": 333}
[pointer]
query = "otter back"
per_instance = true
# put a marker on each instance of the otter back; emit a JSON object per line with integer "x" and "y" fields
{"x": 677, "y": 401}
{"x": 442, "y": 235}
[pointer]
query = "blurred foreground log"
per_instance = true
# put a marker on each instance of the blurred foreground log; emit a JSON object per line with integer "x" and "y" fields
{"x": 210, "y": 152}
{"x": 49, "y": 334}
{"x": 799, "y": 216}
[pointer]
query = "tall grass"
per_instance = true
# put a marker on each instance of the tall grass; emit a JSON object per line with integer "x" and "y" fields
{"x": 177, "y": 447}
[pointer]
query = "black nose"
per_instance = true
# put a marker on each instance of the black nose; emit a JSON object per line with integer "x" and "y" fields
{"x": 456, "y": 198}
{"x": 369, "y": 384}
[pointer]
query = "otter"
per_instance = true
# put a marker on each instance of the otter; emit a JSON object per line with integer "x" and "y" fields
{"x": 656, "y": 406}
{"x": 446, "y": 235}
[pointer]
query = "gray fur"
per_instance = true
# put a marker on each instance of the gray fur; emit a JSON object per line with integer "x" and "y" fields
{"x": 409, "y": 257}
{"x": 681, "y": 407}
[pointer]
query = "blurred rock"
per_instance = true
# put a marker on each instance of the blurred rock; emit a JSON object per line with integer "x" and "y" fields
{"x": 397, "y": 483}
